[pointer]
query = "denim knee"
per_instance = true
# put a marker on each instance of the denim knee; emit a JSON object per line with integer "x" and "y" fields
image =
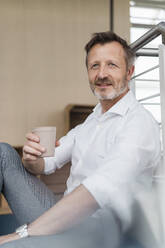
{"x": 8, "y": 154}
{"x": 6, "y": 148}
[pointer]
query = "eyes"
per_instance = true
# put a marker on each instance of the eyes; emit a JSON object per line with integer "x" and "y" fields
{"x": 110, "y": 65}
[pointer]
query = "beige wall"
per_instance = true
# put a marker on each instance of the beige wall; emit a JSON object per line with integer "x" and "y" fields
{"x": 42, "y": 61}
{"x": 121, "y": 18}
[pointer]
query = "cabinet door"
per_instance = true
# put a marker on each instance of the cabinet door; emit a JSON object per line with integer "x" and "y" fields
{"x": 4, "y": 208}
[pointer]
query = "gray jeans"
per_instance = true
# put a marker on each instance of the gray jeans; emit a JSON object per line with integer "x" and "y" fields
{"x": 29, "y": 198}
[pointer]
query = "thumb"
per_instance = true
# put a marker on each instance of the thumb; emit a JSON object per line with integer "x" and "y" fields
{"x": 57, "y": 143}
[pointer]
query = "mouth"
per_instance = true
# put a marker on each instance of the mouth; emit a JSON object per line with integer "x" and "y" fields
{"x": 103, "y": 85}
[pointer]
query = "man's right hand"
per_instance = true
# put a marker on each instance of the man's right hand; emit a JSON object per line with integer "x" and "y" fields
{"x": 32, "y": 151}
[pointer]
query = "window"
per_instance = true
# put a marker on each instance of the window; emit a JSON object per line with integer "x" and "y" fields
{"x": 143, "y": 16}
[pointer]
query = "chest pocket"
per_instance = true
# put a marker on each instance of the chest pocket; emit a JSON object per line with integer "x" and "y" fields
{"x": 98, "y": 151}
{"x": 104, "y": 149}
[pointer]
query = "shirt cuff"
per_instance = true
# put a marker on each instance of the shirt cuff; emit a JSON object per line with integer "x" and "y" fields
{"x": 97, "y": 191}
{"x": 110, "y": 196}
{"x": 50, "y": 165}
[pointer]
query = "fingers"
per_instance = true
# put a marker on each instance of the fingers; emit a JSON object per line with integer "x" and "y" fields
{"x": 33, "y": 137}
{"x": 29, "y": 157}
{"x": 30, "y": 153}
{"x": 32, "y": 149}
{"x": 57, "y": 143}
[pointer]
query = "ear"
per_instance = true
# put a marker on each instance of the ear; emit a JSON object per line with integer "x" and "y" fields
{"x": 130, "y": 72}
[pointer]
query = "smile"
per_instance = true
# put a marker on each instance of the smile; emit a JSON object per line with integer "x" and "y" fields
{"x": 103, "y": 85}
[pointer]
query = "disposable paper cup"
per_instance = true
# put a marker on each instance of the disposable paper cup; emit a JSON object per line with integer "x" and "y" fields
{"x": 47, "y": 137}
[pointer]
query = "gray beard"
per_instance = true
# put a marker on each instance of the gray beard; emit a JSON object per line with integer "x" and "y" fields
{"x": 111, "y": 96}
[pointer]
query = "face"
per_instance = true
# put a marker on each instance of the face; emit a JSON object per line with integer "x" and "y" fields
{"x": 107, "y": 71}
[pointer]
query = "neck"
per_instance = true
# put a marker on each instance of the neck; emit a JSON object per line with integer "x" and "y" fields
{"x": 107, "y": 104}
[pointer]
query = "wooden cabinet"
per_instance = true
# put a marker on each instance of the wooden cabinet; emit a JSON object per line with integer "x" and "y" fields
{"x": 76, "y": 114}
{"x": 57, "y": 181}
{"x": 4, "y": 208}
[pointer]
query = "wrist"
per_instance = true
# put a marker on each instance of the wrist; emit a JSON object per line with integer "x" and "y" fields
{"x": 22, "y": 231}
{"x": 35, "y": 167}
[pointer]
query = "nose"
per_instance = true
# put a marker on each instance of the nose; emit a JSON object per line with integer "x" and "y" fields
{"x": 102, "y": 72}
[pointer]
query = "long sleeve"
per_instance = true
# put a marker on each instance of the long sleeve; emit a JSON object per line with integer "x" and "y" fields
{"x": 62, "y": 153}
{"x": 127, "y": 168}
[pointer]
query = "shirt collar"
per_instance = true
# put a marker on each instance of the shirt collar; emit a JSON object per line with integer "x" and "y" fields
{"x": 120, "y": 108}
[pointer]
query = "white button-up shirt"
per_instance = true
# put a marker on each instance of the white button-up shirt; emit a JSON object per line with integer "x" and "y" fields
{"x": 113, "y": 155}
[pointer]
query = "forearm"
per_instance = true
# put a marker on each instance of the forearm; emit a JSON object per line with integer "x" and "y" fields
{"x": 69, "y": 211}
{"x": 34, "y": 167}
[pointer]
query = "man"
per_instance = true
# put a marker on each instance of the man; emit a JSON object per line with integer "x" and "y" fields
{"x": 113, "y": 154}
